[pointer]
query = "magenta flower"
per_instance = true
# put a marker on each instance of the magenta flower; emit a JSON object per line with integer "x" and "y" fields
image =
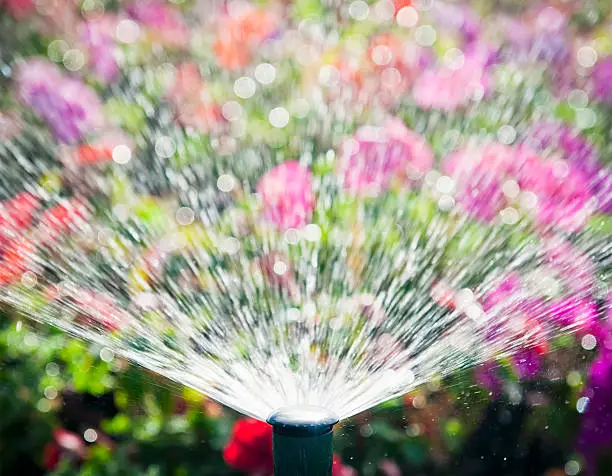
{"x": 70, "y": 108}
{"x": 480, "y": 173}
{"x": 287, "y": 195}
{"x": 564, "y": 197}
{"x": 577, "y": 149}
{"x": 377, "y": 156}
{"x": 449, "y": 89}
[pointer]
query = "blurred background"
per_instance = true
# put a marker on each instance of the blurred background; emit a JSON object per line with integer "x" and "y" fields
{"x": 67, "y": 407}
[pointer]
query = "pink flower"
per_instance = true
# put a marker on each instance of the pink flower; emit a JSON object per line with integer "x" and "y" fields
{"x": 238, "y": 36}
{"x": 187, "y": 97}
{"x": 287, "y": 195}
{"x": 574, "y": 269}
{"x": 164, "y": 23}
{"x": 98, "y": 36}
{"x": 377, "y": 156}
{"x": 563, "y": 192}
{"x": 340, "y": 469}
{"x": 10, "y": 126}
{"x": 388, "y": 467}
{"x": 19, "y": 9}
{"x": 69, "y": 107}
{"x": 449, "y": 89}
{"x": 480, "y": 173}
{"x": 562, "y": 189}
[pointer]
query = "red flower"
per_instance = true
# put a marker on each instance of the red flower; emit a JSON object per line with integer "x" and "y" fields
{"x": 15, "y": 257}
{"x": 51, "y": 455}
{"x": 250, "y": 447}
{"x": 64, "y": 443}
{"x": 93, "y": 154}
{"x": 17, "y": 213}
{"x": 19, "y": 9}
{"x": 60, "y": 218}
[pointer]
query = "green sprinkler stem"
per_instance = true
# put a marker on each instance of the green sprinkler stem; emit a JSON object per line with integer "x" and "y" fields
{"x": 302, "y": 440}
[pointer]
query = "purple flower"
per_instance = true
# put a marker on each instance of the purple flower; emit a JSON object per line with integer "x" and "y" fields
{"x": 98, "y": 37}
{"x": 487, "y": 376}
{"x": 449, "y": 89}
{"x": 69, "y": 108}
{"x": 602, "y": 80}
{"x": 577, "y": 149}
{"x": 527, "y": 363}
{"x": 595, "y": 435}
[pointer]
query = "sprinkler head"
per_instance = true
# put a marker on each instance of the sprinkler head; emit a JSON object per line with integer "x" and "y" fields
{"x": 302, "y": 440}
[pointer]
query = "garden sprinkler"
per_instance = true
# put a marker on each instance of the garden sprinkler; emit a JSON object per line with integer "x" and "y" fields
{"x": 302, "y": 441}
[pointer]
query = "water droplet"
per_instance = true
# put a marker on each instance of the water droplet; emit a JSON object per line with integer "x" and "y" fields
{"x": 73, "y": 60}
{"x": 572, "y": 468}
{"x": 226, "y": 183}
{"x": 232, "y": 110}
{"x": 588, "y": 342}
{"x": 127, "y": 31}
{"x": 511, "y": 189}
{"x": 573, "y": 378}
{"x": 578, "y": 99}
{"x": 279, "y": 117}
{"x": 359, "y": 10}
{"x": 50, "y": 393}
{"x": 185, "y": 216}
{"x": 585, "y": 118}
{"x": 506, "y": 134}
{"x": 43, "y": 405}
{"x": 265, "y": 73}
{"x": 280, "y": 267}
{"x": 381, "y": 55}
{"x": 106, "y": 354}
{"x": 312, "y": 232}
{"x": 122, "y": 154}
{"x": 165, "y": 147}
{"x": 244, "y": 87}
{"x": 56, "y": 50}
{"x": 52, "y": 369}
{"x": 425, "y": 35}
{"x": 586, "y": 56}
{"x": 446, "y": 203}
{"x": 445, "y": 184}
{"x": 407, "y": 17}
{"x": 384, "y": 10}
{"x": 90, "y": 435}
{"x": 29, "y": 279}
{"x": 582, "y": 404}
{"x": 509, "y": 216}
{"x": 230, "y": 245}
{"x": 454, "y": 59}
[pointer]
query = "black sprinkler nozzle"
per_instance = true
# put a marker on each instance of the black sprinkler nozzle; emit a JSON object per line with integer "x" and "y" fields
{"x": 302, "y": 440}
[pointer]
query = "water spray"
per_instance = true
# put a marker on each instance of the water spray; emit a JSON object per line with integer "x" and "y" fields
{"x": 302, "y": 441}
